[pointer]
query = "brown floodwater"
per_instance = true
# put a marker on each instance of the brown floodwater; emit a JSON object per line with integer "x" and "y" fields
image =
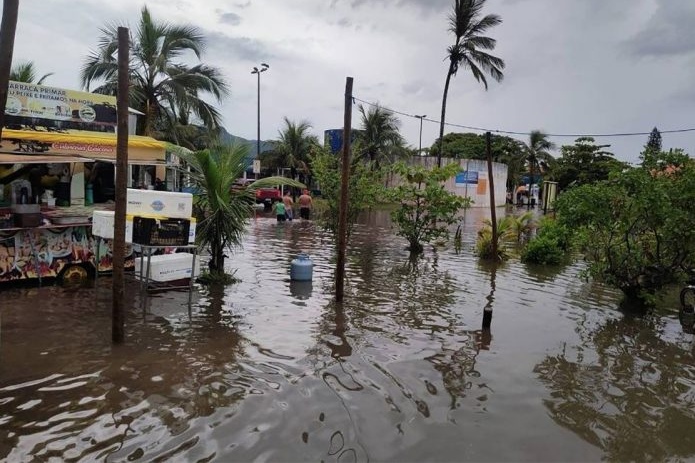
{"x": 269, "y": 370}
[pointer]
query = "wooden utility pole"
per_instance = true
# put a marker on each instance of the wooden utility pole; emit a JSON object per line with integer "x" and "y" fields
{"x": 491, "y": 182}
{"x": 118, "y": 314}
{"x": 345, "y": 173}
{"x": 10, "y": 11}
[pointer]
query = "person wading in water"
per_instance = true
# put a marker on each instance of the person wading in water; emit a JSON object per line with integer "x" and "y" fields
{"x": 287, "y": 200}
{"x": 279, "y": 208}
{"x": 305, "y": 205}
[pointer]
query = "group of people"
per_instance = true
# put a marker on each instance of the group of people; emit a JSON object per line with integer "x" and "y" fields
{"x": 284, "y": 210}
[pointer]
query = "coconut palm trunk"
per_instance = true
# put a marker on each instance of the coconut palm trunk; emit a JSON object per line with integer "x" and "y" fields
{"x": 441, "y": 124}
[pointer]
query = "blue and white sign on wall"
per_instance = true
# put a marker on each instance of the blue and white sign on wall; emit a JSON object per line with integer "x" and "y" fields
{"x": 467, "y": 177}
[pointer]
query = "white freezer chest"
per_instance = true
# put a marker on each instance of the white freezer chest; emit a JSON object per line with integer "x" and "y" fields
{"x": 169, "y": 267}
{"x": 151, "y": 203}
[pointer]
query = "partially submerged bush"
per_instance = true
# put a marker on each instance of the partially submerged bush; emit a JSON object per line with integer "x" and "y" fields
{"x": 638, "y": 228}
{"x": 505, "y": 232}
{"x": 426, "y": 209}
{"x": 549, "y": 246}
{"x": 218, "y": 278}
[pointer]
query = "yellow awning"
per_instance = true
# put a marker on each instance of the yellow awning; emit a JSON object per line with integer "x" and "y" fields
{"x": 39, "y": 159}
{"x": 77, "y": 136}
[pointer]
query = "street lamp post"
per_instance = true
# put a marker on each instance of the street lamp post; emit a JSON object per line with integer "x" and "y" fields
{"x": 264, "y": 67}
{"x": 419, "y": 152}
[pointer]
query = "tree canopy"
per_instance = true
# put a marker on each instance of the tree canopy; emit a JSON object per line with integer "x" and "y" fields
{"x": 164, "y": 86}
{"x": 584, "y": 162}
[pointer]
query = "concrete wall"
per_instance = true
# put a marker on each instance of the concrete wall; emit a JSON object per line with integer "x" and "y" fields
{"x": 477, "y": 189}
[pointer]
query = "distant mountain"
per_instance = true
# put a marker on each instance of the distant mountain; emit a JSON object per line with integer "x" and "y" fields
{"x": 227, "y": 137}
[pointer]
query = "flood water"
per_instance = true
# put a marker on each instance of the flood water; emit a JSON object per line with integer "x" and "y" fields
{"x": 268, "y": 370}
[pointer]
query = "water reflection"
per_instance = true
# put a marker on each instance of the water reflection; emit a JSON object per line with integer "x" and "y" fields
{"x": 625, "y": 390}
{"x": 272, "y": 370}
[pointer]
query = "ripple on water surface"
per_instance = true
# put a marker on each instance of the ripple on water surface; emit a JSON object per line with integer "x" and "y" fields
{"x": 273, "y": 370}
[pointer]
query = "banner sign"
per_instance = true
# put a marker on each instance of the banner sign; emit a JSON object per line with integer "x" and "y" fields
{"x": 31, "y": 106}
{"x": 467, "y": 178}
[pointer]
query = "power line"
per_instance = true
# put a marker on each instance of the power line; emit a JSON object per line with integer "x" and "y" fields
{"x": 511, "y": 132}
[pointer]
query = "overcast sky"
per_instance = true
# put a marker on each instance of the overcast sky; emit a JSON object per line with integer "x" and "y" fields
{"x": 572, "y": 66}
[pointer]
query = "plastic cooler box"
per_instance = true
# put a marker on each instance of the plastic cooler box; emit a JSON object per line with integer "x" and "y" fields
{"x": 103, "y": 226}
{"x": 153, "y": 203}
{"x": 169, "y": 267}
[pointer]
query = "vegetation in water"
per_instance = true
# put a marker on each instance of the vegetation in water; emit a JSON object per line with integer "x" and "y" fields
{"x": 426, "y": 209}
{"x": 550, "y": 245}
{"x": 223, "y": 210}
{"x": 637, "y": 229}
{"x": 218, "y": 278}
{"x": 505, "y": 233}
{"x": 365, "y": 188}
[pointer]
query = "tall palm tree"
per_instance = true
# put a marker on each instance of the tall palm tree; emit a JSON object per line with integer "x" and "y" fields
{"x": 538, "y": 155}
{"x": 467, "y": 50}
{"x": 538, "y": 149}
{"x": 163, "y": 88}
{"x": 379, "y": 138}
{"x": 26, "y": 72}
{"x": 223, "y": 210}
{"x": 294, "y": 145}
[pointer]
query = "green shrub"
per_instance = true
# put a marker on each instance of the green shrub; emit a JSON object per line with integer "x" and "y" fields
{"x": 550, "y": 245}
{"x": 542, "y": 250}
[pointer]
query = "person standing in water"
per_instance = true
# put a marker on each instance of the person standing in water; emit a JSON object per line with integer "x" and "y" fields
{"x": 305, "y": 205}
{"x": 279, "y": 208}
{"x": 287, "y": 200}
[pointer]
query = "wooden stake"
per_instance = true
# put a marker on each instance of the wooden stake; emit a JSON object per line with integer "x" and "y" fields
{"x": 118, "y": 314}
{"x": 10, "y": 11}
{"x": 491, "y": 181}
{"x": 345, "y": 173}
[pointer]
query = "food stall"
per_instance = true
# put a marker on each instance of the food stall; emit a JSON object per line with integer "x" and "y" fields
{"x": 57, "y": 165}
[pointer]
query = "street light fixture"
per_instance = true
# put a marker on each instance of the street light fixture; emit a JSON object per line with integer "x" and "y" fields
{"x": 421, "y": 118}
{"x": 264, "y": 67}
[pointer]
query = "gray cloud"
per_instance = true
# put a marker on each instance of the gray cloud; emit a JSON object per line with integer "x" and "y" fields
{"x": 230, "y": 18}
{"x": 432, "y": 5}
{"x": 670, "y": 31}
{"x": 244, "y": 48}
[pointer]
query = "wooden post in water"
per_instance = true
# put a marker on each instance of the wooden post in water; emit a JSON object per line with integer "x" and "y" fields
{"x": 345, "y": 173}
{"x": 118, "y": 314}
{"x": 10, "y": 11}
{"x": 491, "y": 182}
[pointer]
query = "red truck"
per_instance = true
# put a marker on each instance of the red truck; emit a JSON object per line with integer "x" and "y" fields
{"x": 268, "y": 196}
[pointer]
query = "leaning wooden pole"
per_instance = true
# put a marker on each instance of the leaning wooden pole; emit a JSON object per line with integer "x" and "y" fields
{"x": 10, "y": 11}
{"x": 345, "y": 173}
{"x": 118, "y": 315}
{"x": 491, "y": 181}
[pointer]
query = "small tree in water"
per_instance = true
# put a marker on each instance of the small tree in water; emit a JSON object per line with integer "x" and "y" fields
{"x": 637, "y": 229}
{"x": 365, "y": 187}
{"x": 223, "y": 209}
{"x": 426, "y": 209}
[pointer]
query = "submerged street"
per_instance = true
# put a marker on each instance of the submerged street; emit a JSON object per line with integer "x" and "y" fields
{"x": 270, "y": 370}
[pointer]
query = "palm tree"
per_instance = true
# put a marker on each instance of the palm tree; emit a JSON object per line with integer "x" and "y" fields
{"x": 223, "y": 210}
{"x": 26, "y": 72}
{"x": 294, "y": 145}
{"x": 467, "y": 50}
{"x": 379, "y": 138}
{"x": 164, "y": 89}
{"x": 538, "y": 155}
{"x": 537, "y": 151}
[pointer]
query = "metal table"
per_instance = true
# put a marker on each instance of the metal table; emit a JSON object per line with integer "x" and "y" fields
{"x": 146, "y": 250}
